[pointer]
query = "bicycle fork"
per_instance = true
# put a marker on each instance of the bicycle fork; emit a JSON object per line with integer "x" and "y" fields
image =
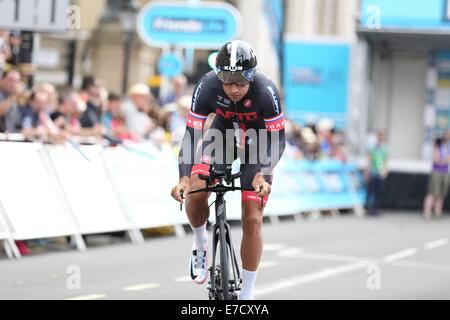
{"x": 215, "y": 273}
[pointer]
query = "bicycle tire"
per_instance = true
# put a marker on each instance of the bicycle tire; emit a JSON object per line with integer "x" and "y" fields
{"x": 223, "y": 261}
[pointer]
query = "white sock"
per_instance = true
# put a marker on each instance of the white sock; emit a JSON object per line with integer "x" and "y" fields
{"x": 200, "y": 237}
{"x": 248, "y": 283}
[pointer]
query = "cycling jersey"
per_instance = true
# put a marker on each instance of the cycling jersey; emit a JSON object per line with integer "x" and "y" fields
{"x": 254, "y": 121}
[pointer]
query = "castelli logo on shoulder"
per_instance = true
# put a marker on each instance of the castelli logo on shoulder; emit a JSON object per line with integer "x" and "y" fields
{"x": 248, "y": 103}
{"x": 205, "y": 159}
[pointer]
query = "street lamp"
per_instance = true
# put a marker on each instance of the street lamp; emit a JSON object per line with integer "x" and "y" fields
{"x": 128, "y": 22}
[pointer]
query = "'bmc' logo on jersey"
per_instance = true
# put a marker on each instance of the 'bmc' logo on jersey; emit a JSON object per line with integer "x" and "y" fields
{"x": 245, "y": 116}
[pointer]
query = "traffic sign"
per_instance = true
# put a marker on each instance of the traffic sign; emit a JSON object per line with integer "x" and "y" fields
{"x": 170, "y": 65}
{"x": 206, "y": 25}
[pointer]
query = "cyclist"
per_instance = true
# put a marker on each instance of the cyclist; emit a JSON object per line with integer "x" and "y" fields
{"x": 247, "y": 103}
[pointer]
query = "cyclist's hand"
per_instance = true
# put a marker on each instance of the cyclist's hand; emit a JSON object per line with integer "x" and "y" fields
{"x": 181, "y": 187}
{"x": 262, "y": 188}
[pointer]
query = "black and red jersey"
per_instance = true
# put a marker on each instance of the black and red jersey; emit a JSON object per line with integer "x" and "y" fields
{"x": 260, "y": 109}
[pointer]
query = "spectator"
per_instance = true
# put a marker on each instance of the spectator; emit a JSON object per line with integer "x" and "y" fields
{"x": 141, "y": 116}
{"x": 311, "y": 144}
{"x": 11, "y": 88}
{"x": 295, "y": 143}
{"x": 439, "y": 180}
{"x": 375, "y": 173}
{"x": 114, "y": 121}
{"x": 52, "y": 102}
{"x": 91, "y": 119}
{"x": 87, "y": 82}
{"x": 15, "y": 40}
{"x": 177, "y": 120}
{"x": 337, "y": 146}
{"x": 73, "y": 107}
{"x": 59, "y": 116}
{"x": 179, "y": 88}
{"x": 36, "y": 122}
{"x": 325, "y": 132}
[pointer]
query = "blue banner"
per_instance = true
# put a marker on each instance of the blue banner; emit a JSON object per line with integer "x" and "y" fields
{"x": 419, "y": 14}
{"x": 316, "y": 77}
{"x": 274, "y": 11}
{"x": 301, "y": 185}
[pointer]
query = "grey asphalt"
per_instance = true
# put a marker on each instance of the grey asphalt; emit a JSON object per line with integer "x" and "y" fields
{"x": 399, "y": 255}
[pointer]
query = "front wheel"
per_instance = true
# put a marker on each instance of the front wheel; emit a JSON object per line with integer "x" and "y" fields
{"x": 223, "y": 261}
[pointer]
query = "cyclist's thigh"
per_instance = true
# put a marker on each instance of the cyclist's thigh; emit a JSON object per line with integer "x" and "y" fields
{"x": 196, "y": 183}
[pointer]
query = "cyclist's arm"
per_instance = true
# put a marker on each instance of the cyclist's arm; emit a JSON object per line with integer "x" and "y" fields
{"x": 274, "y": 121}
{"x": 195, "y": 122}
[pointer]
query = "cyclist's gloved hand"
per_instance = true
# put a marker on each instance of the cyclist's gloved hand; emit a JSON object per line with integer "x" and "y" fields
{"x": 180, "y": 191}
{"x": 262, "y": 188}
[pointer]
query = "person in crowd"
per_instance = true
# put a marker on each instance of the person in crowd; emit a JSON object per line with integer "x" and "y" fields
{"x": 141, "y": 116}
{"x": 15, "y": 40}
{"x": 36, "y": 122}
{"x": 295, "y": 146}
{"x": 324, "y": 130}
{"x": 311, "y": 144}
{"x": 114, "y": 121}
{"x": 337, "y": 146}
{"x": 376, "y": 172}
{"x": 87, "y": 82}
{"x": 439, "y": 179}
{"x": 177, "y": 120}
{"x": 73, "y": 106}
{"x": 11, "y": 89}
{"x": 179, "y": 89}
{"x": 91, "y": 118}
{"x": 52, "y": 94}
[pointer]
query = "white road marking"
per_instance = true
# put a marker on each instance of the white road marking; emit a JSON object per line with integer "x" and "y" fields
{"x": 273, "y": 246}
{"x": 330, "y": 272}
{"x": 88, "y": 297}
{"x": 183, "y": 279}
{"x": 290, "y": 252}
{"x": 400, "y": 255}
{"x": 435, "y": 244}
{"x": 140, "y": 287}
{"x": 267, "y": 264}
{"x": 332, "y": 257}
{"x": 294, "y": 281}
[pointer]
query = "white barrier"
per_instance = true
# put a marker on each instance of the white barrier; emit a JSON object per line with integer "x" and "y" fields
{"x": 49, "y": 191}
{"x": 144, "y": 180}
{"x": 4, "y": 231}
{"x": 5, "y": 236}
{"x": 29, "y": 196}
{"x": 88, "y": 189}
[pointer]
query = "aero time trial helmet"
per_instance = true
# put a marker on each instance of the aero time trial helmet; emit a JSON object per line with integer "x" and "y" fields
{"x": 236, "y": 63}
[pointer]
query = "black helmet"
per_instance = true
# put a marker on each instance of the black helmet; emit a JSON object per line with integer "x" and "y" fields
{"x": 236, "y": 63}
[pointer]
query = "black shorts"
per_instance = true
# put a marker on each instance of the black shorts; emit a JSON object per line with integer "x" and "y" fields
{"x": 224, "y": 153}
